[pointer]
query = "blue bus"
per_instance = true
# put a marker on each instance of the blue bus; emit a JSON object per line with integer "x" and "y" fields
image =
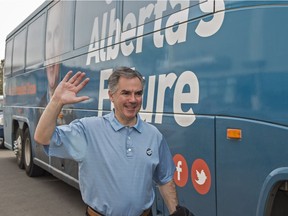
{"x": 216, "y": 86}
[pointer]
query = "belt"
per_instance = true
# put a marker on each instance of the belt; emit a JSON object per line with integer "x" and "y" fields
{"x": 92, "y": 212}
{"x": 147, "y": 212}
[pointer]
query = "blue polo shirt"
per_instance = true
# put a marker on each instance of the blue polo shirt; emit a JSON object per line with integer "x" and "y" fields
{"x": 117, "y": 164}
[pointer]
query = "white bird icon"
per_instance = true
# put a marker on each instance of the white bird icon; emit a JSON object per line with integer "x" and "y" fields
{"x": 201, "y": 176}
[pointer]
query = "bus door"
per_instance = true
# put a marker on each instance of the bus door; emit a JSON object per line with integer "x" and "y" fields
{"x": 193, "y": 151}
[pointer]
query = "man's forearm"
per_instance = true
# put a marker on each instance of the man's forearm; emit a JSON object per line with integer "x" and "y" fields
{"x": 169, "y": 194}
{"x": 47, "y": 122}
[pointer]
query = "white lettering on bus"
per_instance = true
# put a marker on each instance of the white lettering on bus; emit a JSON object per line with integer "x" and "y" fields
{"x": 103, "y": 92}
{"x": 209, "y": 28}
{"x": 165, "y": 82}
{"x": 107, "y": 47}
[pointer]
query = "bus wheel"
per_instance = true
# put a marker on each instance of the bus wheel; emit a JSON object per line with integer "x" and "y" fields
{"x": 32, "y": 169}
{"x": 18, "y": 148}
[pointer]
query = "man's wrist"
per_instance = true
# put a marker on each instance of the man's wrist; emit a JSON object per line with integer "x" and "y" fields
{"x": 56, "y": 103}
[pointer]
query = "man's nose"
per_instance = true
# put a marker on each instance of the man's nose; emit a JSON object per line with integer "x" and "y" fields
{"x": 132, "y": 97}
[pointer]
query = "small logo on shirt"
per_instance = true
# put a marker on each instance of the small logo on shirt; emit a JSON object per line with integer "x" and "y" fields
{"x": 149, "y": 152}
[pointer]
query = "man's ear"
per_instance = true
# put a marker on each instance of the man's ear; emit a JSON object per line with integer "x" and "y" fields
{"x": 110, "y": 96}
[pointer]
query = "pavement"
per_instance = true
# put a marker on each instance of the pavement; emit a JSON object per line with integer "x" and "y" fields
{"x": 41, "y": 196}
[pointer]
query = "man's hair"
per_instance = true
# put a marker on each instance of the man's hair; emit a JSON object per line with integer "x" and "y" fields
{"x": 123, "y": 72}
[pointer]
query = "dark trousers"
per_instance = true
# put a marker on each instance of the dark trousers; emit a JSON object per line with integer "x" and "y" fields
{"x": 93, "y": 212}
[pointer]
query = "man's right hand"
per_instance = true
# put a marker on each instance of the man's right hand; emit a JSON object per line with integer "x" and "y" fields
{"x": 66, "y": 91}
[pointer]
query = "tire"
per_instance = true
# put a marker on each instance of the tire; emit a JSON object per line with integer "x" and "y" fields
{"x": 32, "y": 169}
{"x": 18, "y": 148}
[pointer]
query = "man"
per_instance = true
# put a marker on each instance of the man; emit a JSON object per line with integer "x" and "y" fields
{"x": 120, "y": 156}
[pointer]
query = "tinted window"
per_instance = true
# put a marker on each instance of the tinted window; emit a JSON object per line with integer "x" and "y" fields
{"x": 89, "y": 16}
{"x": 8, "y": 57}
{"x": 35, "y": 42}
{"x": 147, "y": 11}
{"x": 19, "y": 51}
{"x": 59, "y": 30}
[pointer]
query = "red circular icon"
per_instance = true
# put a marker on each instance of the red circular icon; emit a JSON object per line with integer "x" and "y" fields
{"x": 181, "y": 173}
{"x": 201, "y": 176}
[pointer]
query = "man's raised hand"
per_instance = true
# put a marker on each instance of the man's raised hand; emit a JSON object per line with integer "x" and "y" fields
{"x": 67, "y": 90}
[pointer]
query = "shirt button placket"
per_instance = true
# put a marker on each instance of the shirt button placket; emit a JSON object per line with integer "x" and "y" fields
{"x": 129, "y": 146}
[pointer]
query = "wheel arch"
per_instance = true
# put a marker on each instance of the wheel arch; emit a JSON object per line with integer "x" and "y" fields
{"x": 271, "y": 185}
{"x": 21, "y": 123}
{"x": 15, "y": 126}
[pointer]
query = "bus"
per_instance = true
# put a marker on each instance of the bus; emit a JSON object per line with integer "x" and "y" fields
{"x": 216, "y": 86}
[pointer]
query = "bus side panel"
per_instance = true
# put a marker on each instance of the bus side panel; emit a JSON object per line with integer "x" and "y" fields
{"x": 193, "y": 151}
{"x": 254, "y": 85}
{"x": 22, "y": 97}
{"x": 8, "y": 127}
{"x": 243, "y": 164}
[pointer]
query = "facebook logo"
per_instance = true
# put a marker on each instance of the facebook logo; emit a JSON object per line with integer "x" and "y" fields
{"x": 179, "y": 170}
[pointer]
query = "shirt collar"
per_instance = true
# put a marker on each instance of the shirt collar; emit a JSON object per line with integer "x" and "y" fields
{"x": 116, "y": 125}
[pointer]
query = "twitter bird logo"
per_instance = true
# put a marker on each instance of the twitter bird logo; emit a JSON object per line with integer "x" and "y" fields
{"x": 201, "y": 177}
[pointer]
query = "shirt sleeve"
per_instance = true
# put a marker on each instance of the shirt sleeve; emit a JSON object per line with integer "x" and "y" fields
{"x": 166, "y": 167}
{"x": 68, "y": 141}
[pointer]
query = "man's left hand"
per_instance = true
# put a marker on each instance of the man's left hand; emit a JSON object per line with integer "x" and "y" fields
{"x": 182, "y": 211}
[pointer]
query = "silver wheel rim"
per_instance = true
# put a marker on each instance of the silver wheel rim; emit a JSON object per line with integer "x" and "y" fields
{"x": 19, "y": 146}
{"x": 27, "y": 152}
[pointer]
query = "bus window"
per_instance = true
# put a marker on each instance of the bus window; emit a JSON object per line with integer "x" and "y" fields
{"x": 19, "y": 52}
{"x": 59, "y": 30}
{"x": 35, "y": 41}
{"x": 8, "y": 58}
{"x": 90, "y": 16}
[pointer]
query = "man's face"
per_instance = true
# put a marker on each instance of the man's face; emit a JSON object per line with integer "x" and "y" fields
{"x": 55, "y": 33}
{"x": 54, "y": 37}
{"x": 127, "y": 100}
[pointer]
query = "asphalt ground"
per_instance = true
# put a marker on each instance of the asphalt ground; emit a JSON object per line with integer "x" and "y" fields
{"x": 42, "y": 196}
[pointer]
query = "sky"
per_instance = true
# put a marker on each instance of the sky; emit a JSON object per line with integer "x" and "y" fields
{"x": 12, "y": 13}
